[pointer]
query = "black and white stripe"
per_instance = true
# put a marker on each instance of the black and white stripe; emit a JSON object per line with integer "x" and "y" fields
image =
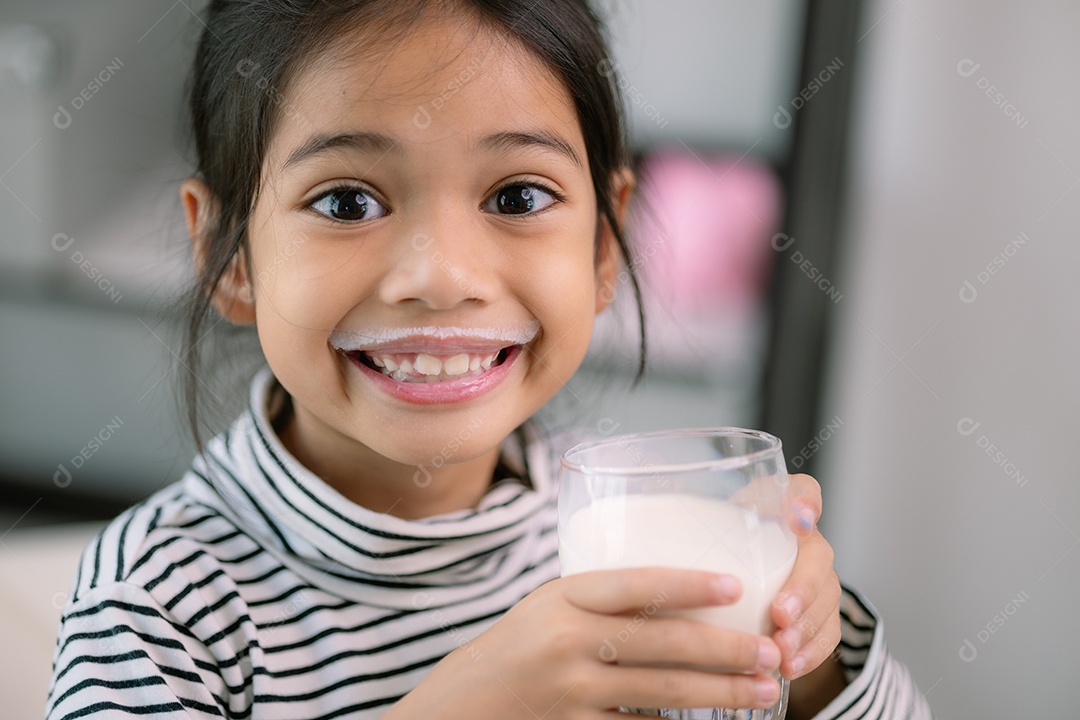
{"x": 252, "y": 589}
{"x": 879, "y": 687}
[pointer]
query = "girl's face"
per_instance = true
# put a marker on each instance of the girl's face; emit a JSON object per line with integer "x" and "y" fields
{"x": 424, "y": 250}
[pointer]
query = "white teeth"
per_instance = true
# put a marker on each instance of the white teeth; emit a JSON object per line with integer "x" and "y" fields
{"x": 425, "y": 367}
{"x": 456, "y": 365}
{"x": 428, "y": 364}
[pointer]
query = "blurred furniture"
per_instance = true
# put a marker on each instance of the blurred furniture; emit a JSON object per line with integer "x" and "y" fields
{"x": 38, "y": 569}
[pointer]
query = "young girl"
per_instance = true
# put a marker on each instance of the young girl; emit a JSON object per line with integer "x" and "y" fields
{"x": 418, "y": 204}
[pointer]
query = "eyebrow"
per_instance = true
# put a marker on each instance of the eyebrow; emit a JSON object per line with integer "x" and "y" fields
{"x": 541, "y": 139}
{"x": 383, "y": 144}
{"x": 364, "y": 141}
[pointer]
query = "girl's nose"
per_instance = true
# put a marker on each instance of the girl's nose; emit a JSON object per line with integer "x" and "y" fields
{"x": 440, "y": 268}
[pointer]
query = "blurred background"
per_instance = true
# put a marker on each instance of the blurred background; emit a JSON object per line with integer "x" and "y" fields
{"x": 858, "y": 232}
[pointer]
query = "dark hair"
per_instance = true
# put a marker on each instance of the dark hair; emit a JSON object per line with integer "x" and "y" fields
{"x": 251, "y": 49}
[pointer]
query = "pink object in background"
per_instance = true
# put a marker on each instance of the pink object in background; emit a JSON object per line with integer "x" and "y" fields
{"x": 704, "y": 230}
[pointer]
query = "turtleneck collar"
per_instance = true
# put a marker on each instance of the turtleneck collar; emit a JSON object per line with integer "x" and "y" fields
{"x": 374, "y": 557}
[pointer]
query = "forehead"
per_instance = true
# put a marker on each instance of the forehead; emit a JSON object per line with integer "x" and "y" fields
{"x": 443, "y": 78}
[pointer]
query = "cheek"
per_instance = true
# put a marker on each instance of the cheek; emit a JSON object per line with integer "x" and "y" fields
{"x": 303, "y": 282}
{"x": 302, "y": 292}
{"x": 562, "y": 293}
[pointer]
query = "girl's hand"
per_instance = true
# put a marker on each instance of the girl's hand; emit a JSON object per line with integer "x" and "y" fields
{"x": 807, "y": 609}
{"x": 584, "y": 645}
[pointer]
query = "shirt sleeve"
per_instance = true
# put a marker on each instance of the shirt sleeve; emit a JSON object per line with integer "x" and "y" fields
{"x": 119, "y": 653}
{"x": 879, "y": 686}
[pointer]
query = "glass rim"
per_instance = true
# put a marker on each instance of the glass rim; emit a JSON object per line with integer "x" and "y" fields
{"x": 773, "y": 445}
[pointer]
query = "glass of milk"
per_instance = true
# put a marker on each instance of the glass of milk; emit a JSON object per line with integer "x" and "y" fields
{"x": 707, "y": 499}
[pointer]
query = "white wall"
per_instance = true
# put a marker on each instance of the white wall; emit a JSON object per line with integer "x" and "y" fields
{"x": 707, "y": 72}
{"x": 954, "y": 544}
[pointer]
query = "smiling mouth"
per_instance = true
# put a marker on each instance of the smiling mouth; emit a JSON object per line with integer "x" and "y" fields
{"x": 446, "y": 356}
{"x": 431, "y": 368}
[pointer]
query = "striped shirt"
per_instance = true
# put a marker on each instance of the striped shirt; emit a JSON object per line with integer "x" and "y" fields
{"x": 251, "y": 588}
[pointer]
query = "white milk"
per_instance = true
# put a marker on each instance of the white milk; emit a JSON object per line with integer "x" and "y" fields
{"x": 685, "y": 531}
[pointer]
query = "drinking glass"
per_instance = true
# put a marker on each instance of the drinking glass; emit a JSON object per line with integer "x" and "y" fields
{"x": 707, "y": 499}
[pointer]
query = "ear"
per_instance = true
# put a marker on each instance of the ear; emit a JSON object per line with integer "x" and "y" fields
{"x": 233, "y": 297}
{"x": 608, "y": 253}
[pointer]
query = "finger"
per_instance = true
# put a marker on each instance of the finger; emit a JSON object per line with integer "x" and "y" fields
{"x": 681, "y": 688}
{"x": 815, "y": 651}
{"x": 815, "y": 634}
{"x": 614, "y": 592}
{"x": 809, "y": 641}
{"x": 825, "y": 607}
{"x": 813, "y": 569}
{"x": 804, "y": 504}
{"x": 682, "y": 641}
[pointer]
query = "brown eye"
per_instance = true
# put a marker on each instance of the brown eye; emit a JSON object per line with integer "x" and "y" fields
{"x": 519, "y": 199}
{"x": 348, "y": 205}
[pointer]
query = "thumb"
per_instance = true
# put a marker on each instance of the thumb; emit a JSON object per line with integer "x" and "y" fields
{"x": 804, "y": 504}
